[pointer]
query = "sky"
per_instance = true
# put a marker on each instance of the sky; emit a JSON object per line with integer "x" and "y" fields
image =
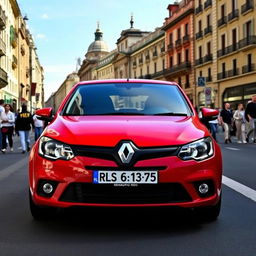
{"x": 64, "y": 29}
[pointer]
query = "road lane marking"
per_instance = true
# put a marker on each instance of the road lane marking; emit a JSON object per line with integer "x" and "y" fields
{"x": 13, "y": 168}
{"x": 235, "y": 149}
{"x": 240, "y": 188}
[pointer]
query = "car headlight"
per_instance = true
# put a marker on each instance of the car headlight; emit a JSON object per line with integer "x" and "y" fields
{"x": 53, "y": 149}
{"x": 197, "y": 150}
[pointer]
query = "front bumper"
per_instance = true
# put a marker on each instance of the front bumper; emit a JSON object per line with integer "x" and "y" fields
{"x": 180, "y": 176}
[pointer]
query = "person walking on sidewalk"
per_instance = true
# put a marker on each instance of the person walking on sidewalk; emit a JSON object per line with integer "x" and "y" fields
{"x": 1, "y": 110}
{"x": 226, "y": 121}
{"x": 39, "y": 126}
{"x": 240, "y": 123}
{"x": 23, "y": 125}
{"x": 7, "y": 119}
{"x": 250, "y": 115}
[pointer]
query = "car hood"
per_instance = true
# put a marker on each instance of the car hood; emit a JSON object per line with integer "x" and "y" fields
{"x": 143, "y": 131}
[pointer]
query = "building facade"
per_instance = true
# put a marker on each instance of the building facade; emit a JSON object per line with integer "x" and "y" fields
{"x": 236, "y": 53}
{"x": 179, "y": 37}
{"x": 147, "y": 56}
{"x": 15, "y": 57}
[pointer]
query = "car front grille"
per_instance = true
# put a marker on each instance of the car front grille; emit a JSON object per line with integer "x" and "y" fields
{"x": 110, "y": 194}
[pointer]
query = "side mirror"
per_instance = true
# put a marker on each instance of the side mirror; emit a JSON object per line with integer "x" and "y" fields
{"x": 45, "y": 114}
{"x": 209, "y": 114}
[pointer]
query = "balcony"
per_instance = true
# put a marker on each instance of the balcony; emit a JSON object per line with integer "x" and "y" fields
{"x": 3, "y": 78}
{"x": 222, "y": 21}
{"x": 170, "y": 47}
{"x": 2, "y": 48}
{"x": 247, "y": 43}
{"x": 248, "y": 6}
{"x": 182, "y": 68}
{"x": 233, "y": 72}
{"x": 199, "y": 9}
{"x": 199, "y": 61}
{"x": 248, "y": 68}
{"x": 158, "y": 74}
{"x": 199, "y": 34}
{"x": 207, "y": 4}
{"x": 233, "y": 15}
{"x": 208, "y": 79}
{"x": 14, "y": 62}
{"x": 186, "y": 39}
{"x": 208, "y": 58}
{"x": 178, "y": 43}
{"x": 155, "y": 54}
{"x": 228, "y": 50}
{"x": 3, "y": 19}
{"x": 208, "y": 30}
{"x": 222, "y": 75}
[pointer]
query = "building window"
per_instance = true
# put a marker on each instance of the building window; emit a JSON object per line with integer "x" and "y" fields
{"x": 178, "y": 34}
{"x": 209, "y": 74}
{"x": 223, "y": 70}
{"x": 179, "y": 81}
{"x": 171, "y": 61}
{"x": 201, "y": 73}
{"x": 248, "y": 29}
{"x": 187, "y": 85}
{"x": 155, "y": 67}
{"x": 186, "y": 29}
{"x": 179, "y": 58}
{"x": 249, "y": 62}
{"x": 223, "y": 42}
{"x": 200, "y": 52}
{"x": 208, "y": 48}
{"x": 199, "y": 26}
{"x": 163, "y": 64}
{"x": 147, "y": 69}
{"x": 141, "y": 72}
{"x": 208, "y": 20}
{"x": 170, "y": 39}
{"x": 135, "y": 74}
{"x": 187, "y": 55}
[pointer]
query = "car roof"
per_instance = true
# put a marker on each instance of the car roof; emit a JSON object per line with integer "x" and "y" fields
{"x": 128, "y": 80}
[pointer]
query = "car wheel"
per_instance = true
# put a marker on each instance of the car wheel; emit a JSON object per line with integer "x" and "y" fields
{"x": 209, "y": 213}
{"x": 41, "y": 212}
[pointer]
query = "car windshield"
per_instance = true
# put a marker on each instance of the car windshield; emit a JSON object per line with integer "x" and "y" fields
{"x": 127, "y": 99}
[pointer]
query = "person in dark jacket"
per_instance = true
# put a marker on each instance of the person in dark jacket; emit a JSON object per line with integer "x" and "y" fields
{"x": 23, "y": 125}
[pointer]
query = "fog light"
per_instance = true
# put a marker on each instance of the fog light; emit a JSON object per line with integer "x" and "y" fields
{"x": 47, "y": 188}
{"x": 203, "y": 188}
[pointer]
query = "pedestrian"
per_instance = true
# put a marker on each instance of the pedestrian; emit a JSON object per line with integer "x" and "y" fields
{"x": 7, "y": 120}
{"x": 226, "y": 121}
{"x": 39, "y": 126}
{"x": 23, "y": 125}
{"x": 250, "y": 115}
{"x": 1, "y": 110}
{"x": 239, "y": 118}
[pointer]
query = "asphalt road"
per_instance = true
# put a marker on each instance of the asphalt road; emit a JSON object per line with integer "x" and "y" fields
{"x": 129, "y": 232}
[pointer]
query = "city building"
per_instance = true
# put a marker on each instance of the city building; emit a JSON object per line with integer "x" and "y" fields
{"x": 236, "y": 40}
{"x": 206, "y": 53}
{"x": 17, "y": 71}
{"x": 57, "y": 97}
{"x": 179, "y": 42}
{"x": 96, "y": 51}
{"x": 147, "y": 56}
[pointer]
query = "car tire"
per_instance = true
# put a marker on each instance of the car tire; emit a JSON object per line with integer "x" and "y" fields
{"x": 209, "y": 213}
{"x": 41, "y": 212}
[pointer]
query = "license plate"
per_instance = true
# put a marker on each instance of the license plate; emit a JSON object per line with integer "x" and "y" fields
{"x": 125, "y": 177}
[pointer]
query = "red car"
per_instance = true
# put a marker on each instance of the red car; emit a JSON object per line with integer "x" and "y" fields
{"x": 125, "y": 143}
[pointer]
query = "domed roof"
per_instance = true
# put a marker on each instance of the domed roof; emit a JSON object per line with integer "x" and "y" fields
{"x": 98, "y": 45}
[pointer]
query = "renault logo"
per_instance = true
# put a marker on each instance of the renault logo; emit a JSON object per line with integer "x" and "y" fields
{"x": 126, "y": 153}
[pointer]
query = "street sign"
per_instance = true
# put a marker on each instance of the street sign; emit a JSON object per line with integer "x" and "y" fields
{"x": 201, "y": 81}
{"x": 208, "y": 95}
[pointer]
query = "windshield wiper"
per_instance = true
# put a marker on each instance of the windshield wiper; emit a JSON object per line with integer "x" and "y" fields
{"x": 170, "y": 114}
